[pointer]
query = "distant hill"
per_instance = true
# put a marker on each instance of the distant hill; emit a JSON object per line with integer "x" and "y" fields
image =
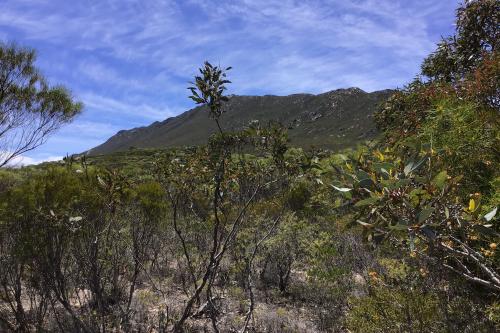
{"x": 334, "y": 120}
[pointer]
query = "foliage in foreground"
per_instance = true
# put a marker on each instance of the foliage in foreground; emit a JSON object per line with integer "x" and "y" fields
{"x": 247, "y": 234}
{"x": 30, "y": 109}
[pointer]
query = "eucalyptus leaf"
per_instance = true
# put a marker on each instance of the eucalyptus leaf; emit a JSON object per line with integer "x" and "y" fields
{"x": 366, "y": 202}
{"x": 440, "y": 179}
{"x": 383, "y": 167}
{"x": 398, "y": 227}
{"x": 425, "y": 214}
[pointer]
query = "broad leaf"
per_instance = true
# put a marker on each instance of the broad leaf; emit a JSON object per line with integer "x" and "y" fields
{"x": 440, "y": 179}
{"x": 366, "y": 202}
{"x": 425, "y": 214}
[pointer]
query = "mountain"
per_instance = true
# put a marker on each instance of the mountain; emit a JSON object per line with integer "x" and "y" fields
{"x": 334, "y": 120}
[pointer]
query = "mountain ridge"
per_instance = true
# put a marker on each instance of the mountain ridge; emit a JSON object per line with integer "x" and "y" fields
{"x": 333, "y": 120}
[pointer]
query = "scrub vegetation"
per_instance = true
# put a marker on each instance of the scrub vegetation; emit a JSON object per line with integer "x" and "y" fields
{"x": 249, "y": 233}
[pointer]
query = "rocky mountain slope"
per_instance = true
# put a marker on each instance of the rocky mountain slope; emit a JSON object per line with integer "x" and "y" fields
{"x": 334, "y": 120}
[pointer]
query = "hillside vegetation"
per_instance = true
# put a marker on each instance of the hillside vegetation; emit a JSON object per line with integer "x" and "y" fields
{"x": 250, "y": 233}
{"x": 333, "y": 120}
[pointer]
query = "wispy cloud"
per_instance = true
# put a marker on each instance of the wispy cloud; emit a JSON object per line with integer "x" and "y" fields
{"x": 111, "y": 105}
{"x": 96, "y": 71}
{"x": 129, "y": 61}
{"x": 168, "y": 35}
{"x": 91, "y": 129}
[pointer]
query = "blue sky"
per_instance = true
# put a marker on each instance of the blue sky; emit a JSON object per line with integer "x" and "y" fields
{"x": 129, "y": 61}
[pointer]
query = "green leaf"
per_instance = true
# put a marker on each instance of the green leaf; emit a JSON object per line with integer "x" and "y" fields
{"x": 366, "y": 202}
{"x": 367, "y": 182}
{"x": 398, "y": 227}
{"x": 440, "y": 179}
{"x": 424, "y": 214}
{"x": 402, "y": 182}
{"x": 383, "y": 167}
{"x": 362, "y": 175}
{"x": 392, "y": 184}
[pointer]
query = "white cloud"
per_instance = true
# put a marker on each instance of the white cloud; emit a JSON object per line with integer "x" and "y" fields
{"x": 22, "y": 160}
{"x": 161, "y": 34}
